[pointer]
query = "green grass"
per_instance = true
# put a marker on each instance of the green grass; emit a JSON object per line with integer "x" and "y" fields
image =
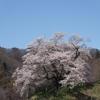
{"x": 52, "y": 94}
{"x": 86, "y": 92}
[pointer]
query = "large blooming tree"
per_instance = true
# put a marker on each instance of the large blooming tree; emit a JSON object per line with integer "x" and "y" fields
{"x": 53, "y": 62}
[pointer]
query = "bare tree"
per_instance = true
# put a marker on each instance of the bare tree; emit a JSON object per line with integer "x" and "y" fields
{"x": 53, "y": 62}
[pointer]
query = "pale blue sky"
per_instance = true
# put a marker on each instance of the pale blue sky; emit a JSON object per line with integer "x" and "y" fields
{"x": 21, "y": 21}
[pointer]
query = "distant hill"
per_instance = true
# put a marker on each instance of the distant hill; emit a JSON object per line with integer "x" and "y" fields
{"x": 10, "y": 59}
{"x": 95, "y": 64}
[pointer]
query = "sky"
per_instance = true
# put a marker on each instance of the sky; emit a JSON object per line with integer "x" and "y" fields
{"x": 21, "y": 21}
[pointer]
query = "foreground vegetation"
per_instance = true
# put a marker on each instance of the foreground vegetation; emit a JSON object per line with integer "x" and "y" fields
{"x": 90, "y": 91}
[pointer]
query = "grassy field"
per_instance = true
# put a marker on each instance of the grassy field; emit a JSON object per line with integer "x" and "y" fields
{"x": 90, "y": 91}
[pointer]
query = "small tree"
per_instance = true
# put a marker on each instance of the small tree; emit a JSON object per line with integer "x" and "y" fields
{"x": 53, "y": 62}
{"x": 5, "y": 66}
{"x": 97, "y": 53}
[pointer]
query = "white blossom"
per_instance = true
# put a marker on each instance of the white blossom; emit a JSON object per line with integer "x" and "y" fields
{"x": 53, "y": 62}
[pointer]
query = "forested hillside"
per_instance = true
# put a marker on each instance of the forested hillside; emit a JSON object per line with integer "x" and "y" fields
{"x": 10, "y": 59}
{"x": 95, "y": 64}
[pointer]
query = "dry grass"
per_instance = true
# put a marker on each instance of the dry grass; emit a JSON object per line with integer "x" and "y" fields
{"x": 94, "y": 91}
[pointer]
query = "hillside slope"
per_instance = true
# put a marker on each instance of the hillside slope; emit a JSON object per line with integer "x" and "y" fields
{"x": 10, "y": 59}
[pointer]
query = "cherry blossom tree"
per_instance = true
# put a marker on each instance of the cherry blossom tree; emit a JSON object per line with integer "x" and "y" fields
{"x": 53, "y": 62}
